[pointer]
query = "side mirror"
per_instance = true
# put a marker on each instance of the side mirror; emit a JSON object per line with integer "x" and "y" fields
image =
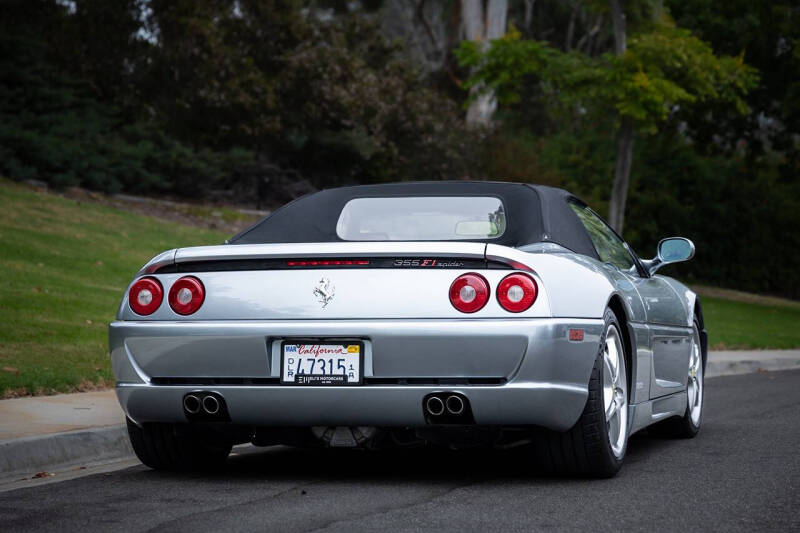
{"x": 670, "y": 250}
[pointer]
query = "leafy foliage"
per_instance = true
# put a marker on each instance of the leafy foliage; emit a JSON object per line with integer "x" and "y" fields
{"x": 663, "y": 70}
{"x": 767, "y": 35}
{"x": 355, "y": 106}
{"x": 670, "y": 67}
{"x": 246, "y": 100}
{"x": 52, "y": 128}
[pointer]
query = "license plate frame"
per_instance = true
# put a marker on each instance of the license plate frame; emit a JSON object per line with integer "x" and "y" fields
{"x": 323, "y": 380}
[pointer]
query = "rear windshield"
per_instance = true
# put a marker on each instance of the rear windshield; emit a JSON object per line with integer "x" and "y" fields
{"x": 422, "y": 218}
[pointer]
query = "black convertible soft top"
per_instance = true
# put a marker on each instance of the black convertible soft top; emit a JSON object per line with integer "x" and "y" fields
{"x": 534, "y": 213}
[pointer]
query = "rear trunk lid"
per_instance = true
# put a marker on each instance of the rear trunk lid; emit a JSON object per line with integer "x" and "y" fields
{"x": 332, "y": 281}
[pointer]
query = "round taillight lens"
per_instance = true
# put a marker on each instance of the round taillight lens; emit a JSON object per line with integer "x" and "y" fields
{"x": 469, "y": 293}
{"x": 186, "y": 295}
{"x": 517, "y": 292}
{"x": 145, "y": 296}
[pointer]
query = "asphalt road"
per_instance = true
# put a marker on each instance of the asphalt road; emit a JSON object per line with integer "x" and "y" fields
{"x": 742, "y": 473}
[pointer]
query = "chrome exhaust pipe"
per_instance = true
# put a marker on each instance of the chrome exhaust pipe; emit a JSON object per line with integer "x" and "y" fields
{"x": 455, "y": 405}
{"x": 192, "y": 404}
{"x": 210, "y": 405}
{"x": 435, "y": 406}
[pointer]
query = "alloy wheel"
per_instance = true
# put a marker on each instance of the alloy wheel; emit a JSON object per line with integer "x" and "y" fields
{"x": 694, "y": 385}
{"x": 615, "y": 391}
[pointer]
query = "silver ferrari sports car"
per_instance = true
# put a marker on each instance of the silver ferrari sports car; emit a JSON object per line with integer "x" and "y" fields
{"x": 443, "y": 313}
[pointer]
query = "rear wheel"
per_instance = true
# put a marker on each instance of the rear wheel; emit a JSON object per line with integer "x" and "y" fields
{"x": 596, "y": 444}
{"x": 164, "y": 447}
{"x": 688, "y": 425}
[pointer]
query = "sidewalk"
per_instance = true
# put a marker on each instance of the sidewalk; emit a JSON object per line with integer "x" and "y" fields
{"x": 43, "y": 415}
{"x": 45, "y": 432}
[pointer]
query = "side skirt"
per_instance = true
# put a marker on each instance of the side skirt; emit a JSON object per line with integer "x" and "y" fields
{"x": 649, "y": 412}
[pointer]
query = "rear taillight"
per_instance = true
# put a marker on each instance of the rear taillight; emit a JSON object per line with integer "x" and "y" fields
{"x": 516, "y": 292}
{"x": 186, "y": 295}
{"x": 469, "y": 293}
{"x": 145, "y": 296}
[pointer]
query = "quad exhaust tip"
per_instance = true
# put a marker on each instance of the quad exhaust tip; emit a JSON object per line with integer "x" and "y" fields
{"x": 192, "y": 404}
{"x": 210, "y": 405}
{"x": 199, "y": 406}
{"x": 447, "y": 407}
{"x": 435, "y": 406}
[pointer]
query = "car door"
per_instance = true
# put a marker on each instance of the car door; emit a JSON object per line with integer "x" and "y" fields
{"x": 663, "y": 341}
{"x": 669, "y": 335}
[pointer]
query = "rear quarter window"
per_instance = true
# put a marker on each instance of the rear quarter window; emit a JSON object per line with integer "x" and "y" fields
{"x": 609, "y": 247}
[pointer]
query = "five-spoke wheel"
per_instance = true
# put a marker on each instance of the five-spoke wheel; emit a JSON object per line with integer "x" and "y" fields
{"x": 694, "y": 384}
{"x": 615, "y": 390}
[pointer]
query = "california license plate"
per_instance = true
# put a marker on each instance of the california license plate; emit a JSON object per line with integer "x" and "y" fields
{"x": 327, "y": 363}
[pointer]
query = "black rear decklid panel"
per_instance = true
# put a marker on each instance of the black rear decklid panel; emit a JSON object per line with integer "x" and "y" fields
{"x": 301, "y": 263}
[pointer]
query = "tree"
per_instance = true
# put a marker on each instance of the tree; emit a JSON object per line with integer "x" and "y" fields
{"x": 652, "y": 76}
{"x": 484, "y": 20}
{"x": 622, "y": 168}
{"x": 769, "y": 36}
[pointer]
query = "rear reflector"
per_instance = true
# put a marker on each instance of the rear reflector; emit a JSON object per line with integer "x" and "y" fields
{"x": 145, "y": 296}
{"x": 516, "y": 292}
{"x": 327, "y": 262}
{"x": 576, "y": 334}
{"x": 469, "y": 292}
{"x": 186, "y": 295}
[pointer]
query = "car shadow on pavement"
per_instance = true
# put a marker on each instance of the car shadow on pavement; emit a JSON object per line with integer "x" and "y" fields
{"x": 414, "y": 464}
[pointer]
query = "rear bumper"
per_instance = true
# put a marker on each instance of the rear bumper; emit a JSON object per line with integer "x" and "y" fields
{"x": 542, "y": 375}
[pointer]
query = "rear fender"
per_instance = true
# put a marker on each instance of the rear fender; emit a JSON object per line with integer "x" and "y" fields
{"x": 576, "y": 287}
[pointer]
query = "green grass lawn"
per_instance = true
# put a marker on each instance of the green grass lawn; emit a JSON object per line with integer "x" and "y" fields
{"x": 734, "y": 324}
{"x": 64, "y": 266}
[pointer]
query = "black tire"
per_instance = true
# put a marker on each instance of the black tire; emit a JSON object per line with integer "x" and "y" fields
{"x": 585, "y": 450}
{"x": 682, "y": 427}
{"x": 163, "y": 447}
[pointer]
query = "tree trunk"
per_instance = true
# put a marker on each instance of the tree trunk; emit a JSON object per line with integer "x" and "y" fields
{"x": 622, "y": 177}
{"x": 622, "y": 169}
{"x": 658, "y": 11}
{"x": 571, "y": 27}
{"x": 483, "y": 25}
{"x": 588, "y": 38}
{"x": 496, "y": 14}
{"x": 472, "y": 18}
{"x": 528, "y": 16}
{"x": 618, "y": 22}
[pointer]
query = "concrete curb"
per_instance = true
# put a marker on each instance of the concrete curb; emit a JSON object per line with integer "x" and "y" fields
{"x": 27, "y": 456}
{"x": 749, "y": 362}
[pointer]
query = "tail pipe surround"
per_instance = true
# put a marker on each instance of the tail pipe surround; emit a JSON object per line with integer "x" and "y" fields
{"x": 434, "y": 406}
{"x": 205, "y": 406}
{"x": 192, "y": 404}
{"x": 447, "y": 408}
